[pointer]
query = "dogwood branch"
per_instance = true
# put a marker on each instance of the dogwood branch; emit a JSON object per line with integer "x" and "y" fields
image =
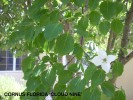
{"x": 111, "y": 41}
{"x": 127, "y": 58}
{"x": 125, "y": 37}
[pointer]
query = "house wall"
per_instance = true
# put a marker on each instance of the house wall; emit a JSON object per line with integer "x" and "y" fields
{"x": 126, "y": 80}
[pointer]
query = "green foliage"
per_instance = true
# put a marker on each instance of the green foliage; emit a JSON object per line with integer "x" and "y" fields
{"x": 116, "y": 26}
{"x": 104, "y": 27}
{"x": 93, "y": 4}
{"x": 52, "y": 31}
{"x": 64, "y": 44}
{"x": 94, "y": 17}
{"x": 73, "y": 68}
{"x": 78, "y": 87}
{"x": 48, "y": 78}
{"x": 106, "y": 9}
{"x": 65, "y": 76}
{"x": 108, "y": 89}
{"x": 65, "y": 27}
{"x": 118, "y": 7}
{"x": 82, "y": 26}
{"x": 117, "y": 68}
{"x": 89, "y": 72}
{"x": 98, "y": 78}
{"x": 27, "y": 66}
{"x": 83, "y": 23}
{"x": 78, "y": 51}
{"x": 91, "y": 94}
{"x": 119, "y": 95}
{"x": 79, "y": 3}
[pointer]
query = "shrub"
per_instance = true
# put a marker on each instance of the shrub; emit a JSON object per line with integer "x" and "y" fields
{"x": 9, "y": 84}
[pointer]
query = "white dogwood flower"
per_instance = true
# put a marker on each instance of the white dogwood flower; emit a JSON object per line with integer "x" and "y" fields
{"x": 104, "y": 60}
{"x": 48, "y": 97}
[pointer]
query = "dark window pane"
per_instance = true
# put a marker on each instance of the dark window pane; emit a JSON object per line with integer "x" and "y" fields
{"x": 2, "y": 67}
{"x": 9, "y": 60}
{"x": 9, "y": 67}
{"x": 18, "y": 61}
{"x": 2, "y": 54}
{"x": 18, "y": 67}
{"x": 9, "y": 54}
{"x": 2, "y": 61}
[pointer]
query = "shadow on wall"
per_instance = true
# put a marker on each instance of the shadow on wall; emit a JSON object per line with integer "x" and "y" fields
{"x": 126, "y": 80}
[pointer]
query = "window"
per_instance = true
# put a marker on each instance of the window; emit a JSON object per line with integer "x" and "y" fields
{"x": 8, "y": 62}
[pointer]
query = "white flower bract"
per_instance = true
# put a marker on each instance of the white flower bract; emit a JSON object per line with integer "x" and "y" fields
{"x": 103, "y": 60}
{"x": 48, "y": 97}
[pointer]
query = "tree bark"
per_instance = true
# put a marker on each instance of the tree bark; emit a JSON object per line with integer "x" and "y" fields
{"x": 125, "y": 40}
{"x": 125, "y": 37}
{"x": 111, "y": 41}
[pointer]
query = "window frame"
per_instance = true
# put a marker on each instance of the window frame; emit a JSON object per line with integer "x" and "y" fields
{"x": 14, "y": 64}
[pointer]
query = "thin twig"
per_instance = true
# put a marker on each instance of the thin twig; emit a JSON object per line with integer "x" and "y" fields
{"x": 69, "y": 61}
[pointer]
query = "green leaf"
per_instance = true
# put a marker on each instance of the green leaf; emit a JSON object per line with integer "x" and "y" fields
{"x": 59, "y": 88}
{"x": 104, "y": 27}
{"x": 108, "y": 88}
{"x": 51, "y": 76}
{"x": 65, "y": 76}
{"x": 89, "y": 72}
{"x": 64, "y": 44}
{"x": 79, "y": 3}
{"x": 91, "y": 94}
{"x": 83, "y": 23}
{"x": 51, "y": 44}
{"x": 76, "y": 85}
{"x": 52, "y": 31}
{"x": 78, "y": 51}
{"x": 106, "y": 8}
{"x": 119, "y": 95}
{"x": 94, "y": 17}
{"x": 116, "y": 26}
{"x": 48, "y": 78}
{"x": 37, "y": 4}
{"x": 54, "y": 19}
{"x": 33, "y": 83}
{"x": 83, "y": 33}
{"x": 118, "y": 7}
{"x": 27, "y": 66}
{"x": 104, "y": 97}
{"x": 73, "y": 68}
{"x": 38, "y": 70}
{"x": 93, "y": 4}
{"x": 39, "y": 41}
{"x": 44, "y": 20}
{"x": 59, "y": 67}
{"x": 64, "y": 1}
{"x": 98, "y": 78}
{"x": 46, "y": 59}
{"x": 117, "y": 68}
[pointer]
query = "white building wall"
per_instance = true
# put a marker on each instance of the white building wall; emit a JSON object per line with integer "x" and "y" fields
{"x": 18, "y": 75}
{"x": 126, "y": 80}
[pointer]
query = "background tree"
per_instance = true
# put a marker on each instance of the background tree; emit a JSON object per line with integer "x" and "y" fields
{"x": 71, "y": 28}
